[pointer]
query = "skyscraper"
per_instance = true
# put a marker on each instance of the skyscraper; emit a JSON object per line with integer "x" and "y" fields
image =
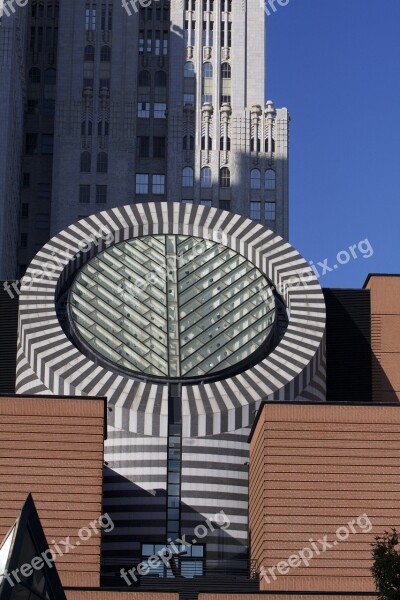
{"x": 37, "y": 159}
{"x": 165, "y": 102}
{"x": 12, "y": 97}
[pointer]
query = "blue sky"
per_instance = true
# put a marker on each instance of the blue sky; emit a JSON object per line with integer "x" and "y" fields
{"x": 336, "y": 65}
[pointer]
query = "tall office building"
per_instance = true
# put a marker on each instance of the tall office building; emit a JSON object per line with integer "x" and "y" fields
{"x": 37, "y": 159}
{"x": 160, "y": 103}
{"x": 12, "y": 98}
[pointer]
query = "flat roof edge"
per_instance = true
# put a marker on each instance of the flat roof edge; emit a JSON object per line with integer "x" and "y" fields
{"x": 312, "y": 403}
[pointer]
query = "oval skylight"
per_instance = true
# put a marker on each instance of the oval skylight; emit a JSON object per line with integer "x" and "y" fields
{"x": 172, "y": 306}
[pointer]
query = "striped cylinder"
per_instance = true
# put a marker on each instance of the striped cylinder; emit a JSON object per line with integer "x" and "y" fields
{"x": 216, "y": 415}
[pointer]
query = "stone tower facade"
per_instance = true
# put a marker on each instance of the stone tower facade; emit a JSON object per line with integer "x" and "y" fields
{"x": 219, "y": 125}
{"x": 126, "y": 103}
{"x": 167, "y": 102}
{"x": 12, "y": 99}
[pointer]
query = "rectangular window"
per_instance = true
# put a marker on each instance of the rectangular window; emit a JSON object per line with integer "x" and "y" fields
{"x": 141, "y": 42}
{"x": 144, "y": 110}
{"x": 87, "y": 17}
{"x": 143, "y": 146}
{"x": 24, "y": 240}
{"x": 149, "y": 41}
{"x": 165, "y": 43}
{"x": 226, "y": 91}
{"x": 90, "y": 17}
{"x": 84, "y": 194}
{"x": 31, "y": 143}
{"x": 187, "y": 201}
{"x": 25, "y": 210}
{"x": 158, "y": 43}
{"x": 160, "y": 109}
{"x": 149, "y": 550}
{"x": 142, "y": 183}
{"x": 186, "y": 34}
{"x": 206, "y": 202}
{"x": 226, "y": 36}
{"x": 270, "y": 211}
{"x": 191, "y": 564}
{"x": 88, "y": 82}
{"x": 208, "y": 84}
{"x": 188, "y": 99}
{"x": 225, "y": 204}
{"x": 159, "y": 147}
{"x": 158, "y": 184}
{"x": 26, "y": 180}
{"x": 47, "y": 143}
{"x": 255, "y": 210}
{"x": 101, "y": 194}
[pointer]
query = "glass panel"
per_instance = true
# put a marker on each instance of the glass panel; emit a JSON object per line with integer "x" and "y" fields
{"x": 197, "y": 550}
{"x": 172, "y": 306}
{"x": 173, "y": 502}
{"x": 148, "y": 549}
{"x": 192, "y": 568}
{"x": 174, "y": 477}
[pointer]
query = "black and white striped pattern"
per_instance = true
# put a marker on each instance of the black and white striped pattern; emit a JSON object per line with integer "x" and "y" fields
{"x": 216, "y": 416}
{"x": 215, "y": 479}
{"x": 48, "y": 361}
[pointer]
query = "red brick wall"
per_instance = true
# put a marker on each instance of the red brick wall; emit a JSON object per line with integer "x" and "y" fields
{"x": 314, "y": 468}
{"x": 279, "y": 597}
{"x": 385, "y": 323}
{"x": 53, "y": 448}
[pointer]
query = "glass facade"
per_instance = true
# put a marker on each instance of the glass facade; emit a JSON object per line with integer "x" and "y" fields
{"x": 172, "y": 306}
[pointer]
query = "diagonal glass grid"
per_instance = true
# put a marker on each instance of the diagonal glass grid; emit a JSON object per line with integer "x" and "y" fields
{"x": 172, "y": 306}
